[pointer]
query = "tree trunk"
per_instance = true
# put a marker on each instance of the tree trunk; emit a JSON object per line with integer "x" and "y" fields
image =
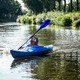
{"x": 77, "y": 1}
{"x": 54, "y": 4}
{"x": 70, "y": 5}
{"x": 64, "y": 5}
{"x": 60, "y": 5}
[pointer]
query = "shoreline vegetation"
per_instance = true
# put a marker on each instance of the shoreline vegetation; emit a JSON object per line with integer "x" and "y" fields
{"x": 60, "y": 12}
{"x": 57, "y": 18}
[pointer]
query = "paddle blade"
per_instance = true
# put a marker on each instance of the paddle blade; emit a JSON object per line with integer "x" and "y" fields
{"x": 45, "y": 23}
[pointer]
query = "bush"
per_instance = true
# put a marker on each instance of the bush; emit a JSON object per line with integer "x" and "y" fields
{"x": 26, "y": 19}
{"x": 57, "y": 18}
{"x": 75, "y": 17}
{"x": 77, "y": 23}
{"x": 66, "y": 21}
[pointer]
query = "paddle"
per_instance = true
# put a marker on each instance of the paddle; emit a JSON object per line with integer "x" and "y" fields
{"x": 43, "y": 25}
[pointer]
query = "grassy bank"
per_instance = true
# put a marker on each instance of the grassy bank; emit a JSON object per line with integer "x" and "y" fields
{"x": 57, "y": 18}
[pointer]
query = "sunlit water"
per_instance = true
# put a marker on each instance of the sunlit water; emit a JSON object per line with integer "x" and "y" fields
{"x": 57, "y": 66}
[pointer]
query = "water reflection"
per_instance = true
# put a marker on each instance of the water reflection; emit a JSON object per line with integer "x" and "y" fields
{"x": 26, "y": 66}
{"x": 57, "y": 68}
{"x": 32, "y": 60}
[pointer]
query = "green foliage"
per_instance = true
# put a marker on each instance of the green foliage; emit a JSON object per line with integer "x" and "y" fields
{"x": 75, "y": 16}
{"x": 77, "y": 23}
{"x": 53, "y": 16}
{"x": 9, "y": 9}
{"x": 34, "y": 5}
{"x": 57, "y": 18}
{"x": 66, "y": 21}
{"x": 26, "y": 19}
{"x": 39, "y": 6}
{"x": 69, "y": 18}
{"x": 73, "y": 7}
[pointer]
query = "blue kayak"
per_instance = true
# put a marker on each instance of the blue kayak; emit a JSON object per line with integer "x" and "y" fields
{"x": 31, "y": 51}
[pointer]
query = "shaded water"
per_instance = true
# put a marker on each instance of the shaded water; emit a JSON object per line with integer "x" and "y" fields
{"x": 58, "y": 66}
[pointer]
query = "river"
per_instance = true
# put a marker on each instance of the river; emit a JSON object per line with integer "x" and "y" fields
{"x": 62, "y": 64}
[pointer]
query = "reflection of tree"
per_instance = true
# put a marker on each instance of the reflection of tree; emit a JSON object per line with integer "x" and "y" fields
{"x": 54, "y": 68}
{"x": 48, "y": 69}
{"x": 32, "y": 29}
{"x": 47, "y": 37}
{"x": 71, "y": 70}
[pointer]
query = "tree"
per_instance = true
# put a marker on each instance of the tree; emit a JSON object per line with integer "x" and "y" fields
{"x": 71, "y": 6}
{"x": 77, "y": 1}
{"x": 35, "y": 6}
{"x": 38, "y": 6}
{"x": 54, "y": 4}
{"x": 64, "y": 5}
{"x": 59, "y": 1}
{"x": 9, "y": 9}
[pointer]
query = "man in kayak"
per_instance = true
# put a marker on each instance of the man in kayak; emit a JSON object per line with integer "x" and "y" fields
{"x": 33, "y": 41}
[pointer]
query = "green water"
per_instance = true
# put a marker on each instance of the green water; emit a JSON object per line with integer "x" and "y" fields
{"x": 62, "y": 64}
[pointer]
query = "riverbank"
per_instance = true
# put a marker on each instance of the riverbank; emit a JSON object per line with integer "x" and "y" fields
{"x": 57, "y": 18}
